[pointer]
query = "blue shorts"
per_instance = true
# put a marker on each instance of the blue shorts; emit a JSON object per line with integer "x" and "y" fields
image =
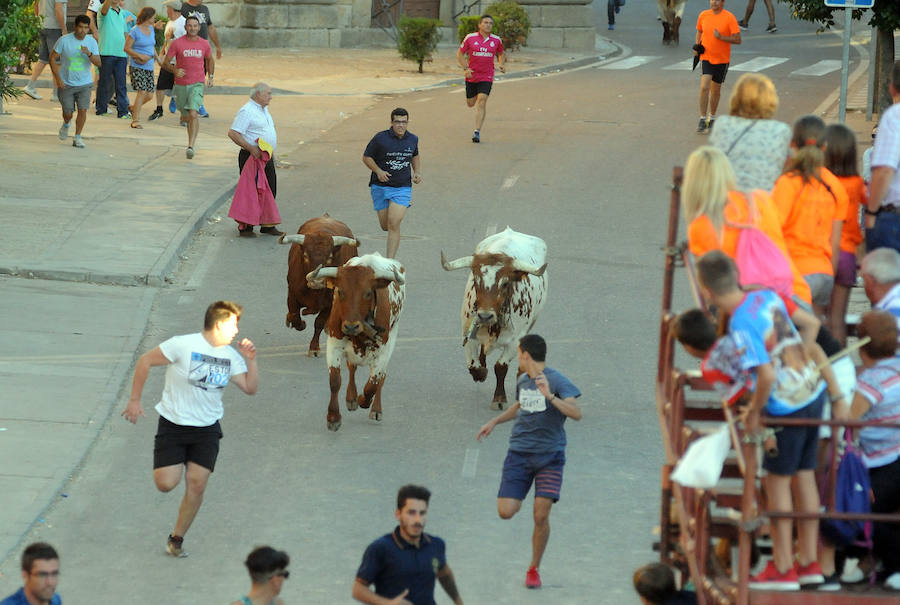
{"x": 520, "y": 469}
{"x": 382, "y": 196}
{"x": 797, "y": 445}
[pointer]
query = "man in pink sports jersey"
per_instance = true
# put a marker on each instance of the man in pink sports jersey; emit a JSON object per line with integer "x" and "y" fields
{"x": 481, "y": 47}
{"x": 191, "y": 53}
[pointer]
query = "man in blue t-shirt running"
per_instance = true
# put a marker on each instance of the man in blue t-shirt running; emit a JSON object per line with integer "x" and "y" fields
{"x": 537, "y": 445}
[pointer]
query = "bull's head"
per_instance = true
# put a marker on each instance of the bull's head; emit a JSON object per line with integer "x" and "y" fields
{"x": 356, "y": 295}
{"x": 319, "y": 249}
{"x": 494, "y": 276}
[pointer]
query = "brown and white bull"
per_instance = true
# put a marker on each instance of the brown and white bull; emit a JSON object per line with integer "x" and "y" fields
{"x": 362, "y": 329}
{"x": 320, "y": 242}
{"x": 506, "y": 289}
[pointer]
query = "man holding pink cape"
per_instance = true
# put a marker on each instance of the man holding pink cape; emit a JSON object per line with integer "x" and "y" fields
{"x": 254, "y": 132}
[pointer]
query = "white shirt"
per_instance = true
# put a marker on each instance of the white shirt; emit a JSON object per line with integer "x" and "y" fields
{"x": 887, "y": 151}
{"x": 176, "y": 27}
{"x": 253, "y": 121}
{"x": 195, "y": 379}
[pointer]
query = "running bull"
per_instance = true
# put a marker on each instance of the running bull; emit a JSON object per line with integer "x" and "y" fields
{"x": 506, "y": 289}
{"x": 362, "y": 329}
{"x": 320, "y": 242}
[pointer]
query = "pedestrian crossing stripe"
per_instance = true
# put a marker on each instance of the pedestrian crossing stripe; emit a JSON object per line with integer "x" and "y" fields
{"x": 630, "y": 62}
{"x": 757, "y": 64}
{"x": 821, "y": 68}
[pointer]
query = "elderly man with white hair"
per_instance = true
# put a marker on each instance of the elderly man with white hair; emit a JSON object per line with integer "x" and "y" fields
{"x": 254, "y": 132}
{"x": 881, "y": 277}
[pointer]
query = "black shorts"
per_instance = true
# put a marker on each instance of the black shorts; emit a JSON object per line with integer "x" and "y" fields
{"x": 716, "y": 70}
{"x": 177, "y": 444}
{"x": 166, "y": 80}
{"x": 478, "y": 88}
{"x": 797, "y": 445}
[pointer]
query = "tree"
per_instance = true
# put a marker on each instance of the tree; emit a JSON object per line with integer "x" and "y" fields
{"x": 19, "y": 30}
{"x": 418, "y": 38}
{"x": 885, "y": 16}
{"x": 510, "y": 23}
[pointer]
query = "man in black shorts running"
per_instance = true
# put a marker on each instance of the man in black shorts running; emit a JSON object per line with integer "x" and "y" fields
{"x": 476, "y": 57}
{"x": 200, "y": 366}
{"x": 717, "y": 30}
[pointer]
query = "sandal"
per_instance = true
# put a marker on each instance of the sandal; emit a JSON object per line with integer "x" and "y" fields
{"x": 136, "y": 124}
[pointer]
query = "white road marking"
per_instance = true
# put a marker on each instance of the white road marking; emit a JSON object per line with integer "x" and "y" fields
{"x": 458, "y": 90}
{"x": 422, "y": 100}
{"x": 821, "y": 68}
{"x": 509, "y": 181}
{"x": 630, "y": 62}
{"x": 470, "y": 463}
{"x": 758, "y": 64}
{"x": 685, "y": 65}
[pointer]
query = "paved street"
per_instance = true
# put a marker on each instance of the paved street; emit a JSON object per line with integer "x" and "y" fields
{"x": 582, "y": 158}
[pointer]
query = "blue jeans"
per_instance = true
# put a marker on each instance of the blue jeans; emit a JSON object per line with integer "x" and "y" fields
{"x": 112, "y": 70}
{"x": 611, "y": 6}
{"x": 885, "y": 233}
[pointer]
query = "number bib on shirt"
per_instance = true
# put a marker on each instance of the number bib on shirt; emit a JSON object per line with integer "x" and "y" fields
{"x": 531, "y": 400}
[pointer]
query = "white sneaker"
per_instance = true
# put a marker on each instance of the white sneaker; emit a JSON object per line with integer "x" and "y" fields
{"x": 77, "y": 142}
{"x": 63, "y": 132}
{"x": 852, "y": 573}
{"x": 53, "y": 97}
{"x": 893, "y": 581}
{"x": 31, "y": 92}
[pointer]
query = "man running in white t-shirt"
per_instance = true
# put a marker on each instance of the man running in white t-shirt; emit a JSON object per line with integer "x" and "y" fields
{"x": 200, "y": 366}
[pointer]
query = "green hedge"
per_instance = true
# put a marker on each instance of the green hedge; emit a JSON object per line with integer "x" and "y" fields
{"x": 19, "y": 38}
{"x": 511, "y": 24}
{"x": 418, "y": 38}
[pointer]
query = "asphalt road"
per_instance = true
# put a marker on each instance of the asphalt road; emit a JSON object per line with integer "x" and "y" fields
{"x": 583, "y": 160}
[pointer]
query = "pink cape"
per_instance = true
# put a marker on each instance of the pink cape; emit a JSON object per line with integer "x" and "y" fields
{"x": 253, "y": 202}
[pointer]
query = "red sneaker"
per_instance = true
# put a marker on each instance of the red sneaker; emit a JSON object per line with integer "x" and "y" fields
{"x": 771, "y": 579}
{"x": 532, "y": 578}
{"x": 810, "y": 575}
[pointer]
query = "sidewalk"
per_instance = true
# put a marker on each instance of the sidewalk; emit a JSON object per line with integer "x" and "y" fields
{"x": 91, "y": 234}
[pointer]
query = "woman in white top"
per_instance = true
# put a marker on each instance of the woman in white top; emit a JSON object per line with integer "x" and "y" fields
{"x": 756, "y": 145}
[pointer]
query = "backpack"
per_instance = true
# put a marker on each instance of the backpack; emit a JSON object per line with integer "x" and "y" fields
{"x": 760, "y": 263}
{"x": 852, "y": 495}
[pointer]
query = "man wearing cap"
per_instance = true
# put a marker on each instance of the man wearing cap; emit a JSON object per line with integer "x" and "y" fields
{"x": 253, "y": 127}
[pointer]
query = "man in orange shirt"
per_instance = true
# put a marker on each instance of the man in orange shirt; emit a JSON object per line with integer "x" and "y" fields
{"x": 717, "y": 30}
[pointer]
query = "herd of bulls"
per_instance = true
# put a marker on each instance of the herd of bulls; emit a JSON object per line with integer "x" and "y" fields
{"x": 357, "y": 300}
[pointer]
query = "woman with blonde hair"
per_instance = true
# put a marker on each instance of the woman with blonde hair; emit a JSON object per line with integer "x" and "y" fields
{"x": 713, "y": 204}
{"x": 756, "y": 145}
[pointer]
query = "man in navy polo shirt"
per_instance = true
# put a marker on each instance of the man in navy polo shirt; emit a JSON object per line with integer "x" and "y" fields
{"x": 403, "y": 564}
{"x": 390, "y": 155}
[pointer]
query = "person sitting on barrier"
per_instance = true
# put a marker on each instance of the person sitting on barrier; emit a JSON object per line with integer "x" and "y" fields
{"x": 712, "y": 203}
{"x": 878, "y": 398}
{"x": 787, "y": 384}
{"x": 655, "y": 585}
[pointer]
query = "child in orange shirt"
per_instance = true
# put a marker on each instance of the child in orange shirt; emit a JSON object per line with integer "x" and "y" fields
{"x": 840, "y": 159}
{"x": 812, "y": 206}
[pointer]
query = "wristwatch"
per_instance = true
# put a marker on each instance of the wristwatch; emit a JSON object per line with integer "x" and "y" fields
{"x": 873, "y": 212}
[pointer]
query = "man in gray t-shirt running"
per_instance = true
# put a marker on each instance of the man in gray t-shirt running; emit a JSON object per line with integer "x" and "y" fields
{"x": 537, "y": 445}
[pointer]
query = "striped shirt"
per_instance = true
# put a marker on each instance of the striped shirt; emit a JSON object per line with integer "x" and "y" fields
{"x": 880, "y": 385}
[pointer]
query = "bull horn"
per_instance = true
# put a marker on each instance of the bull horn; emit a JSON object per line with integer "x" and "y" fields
{"x": 341, "y": 240}
{"x": 519, "y": 265}
{"x": 465, "y": 261}
{"x": 297, "y": 238}
{"x": 321, "y": 272}
{"x": 394, "y": 275}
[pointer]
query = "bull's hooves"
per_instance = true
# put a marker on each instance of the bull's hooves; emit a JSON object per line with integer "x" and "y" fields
{"x": 361, "y": 400}
{"x": 351, "y": 404}
{"x": 312, "y": 353}
{"x": 334, "y": 425}
{"x": 373, "y": 415}
{"x": 479, "y": 374}
{"x": 498, "y": 405}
